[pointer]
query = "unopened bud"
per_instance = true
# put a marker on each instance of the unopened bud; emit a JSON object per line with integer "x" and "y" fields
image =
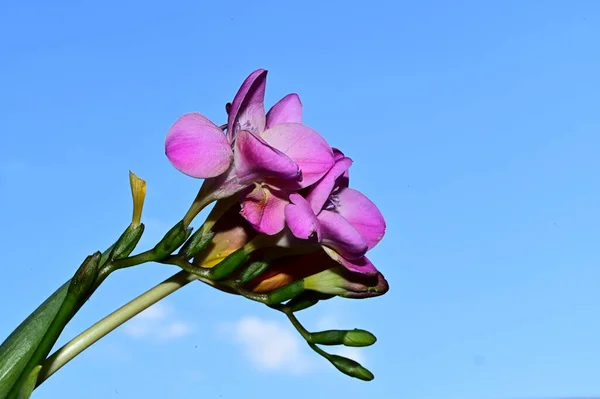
{"x": 85, "y": 276}
{"x": 351, "y": 368}
{"x": 303, "y": 301}
{"x": 354, "y": 337}
{"x": 127, "y": 242}
{"x": 286, "y": 292}
{"x": 254, "y": 270}
{"x": 228, "y": 265}
{"x": 196, "y": 243}
{"x": 172, "y": 240}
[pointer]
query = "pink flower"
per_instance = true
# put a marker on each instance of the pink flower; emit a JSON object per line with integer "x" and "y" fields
{"x": 342, "y": 219}
{"x": 272, "y": 149}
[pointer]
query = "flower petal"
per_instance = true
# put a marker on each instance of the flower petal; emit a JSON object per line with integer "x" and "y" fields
{"x": 288, "y": 109}
{"x": 301, "y": 220}
{"x": 320, "y": 192}
{"x": 247, "y": 111}
{"x": 197, "y": 147}
{"x": 341, "y": 282}
{"x": 232, "y": 232}
{"x": 362, "y": 213}
{"x": 305, "y": 147}
{"x": 361, "y": 265}
{"x": 255, "y": 160}
{"x": 343, "y": 181}
{"x": 338, "y": 234}
{"x": 263, "y": 208}
{"x": 288, "y": 269}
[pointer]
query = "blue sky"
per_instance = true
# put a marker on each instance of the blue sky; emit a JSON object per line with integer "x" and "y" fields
{"x": 473, "y": 125}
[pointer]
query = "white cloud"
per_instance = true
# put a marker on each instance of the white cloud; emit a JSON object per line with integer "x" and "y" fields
{"x": 157, "y": 324}
{"x": 272, "y": 346}
{"x": 276, "y": 346}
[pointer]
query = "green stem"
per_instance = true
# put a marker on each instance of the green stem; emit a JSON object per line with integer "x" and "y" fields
{"x": 112, "y": 321}
{"x": 303, "y": 331}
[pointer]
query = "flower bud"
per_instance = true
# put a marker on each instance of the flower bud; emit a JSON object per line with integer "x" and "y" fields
{"x": 354, "y": 337}
{"x": 227, "y": 266}
{"x": 303, "y": 301}
{"x": 232, "y": 232}
{"x": 341, "y": 282}
{"x": 85, "y": 276}
{"x": 172, "y": 240}
{"x": 286, "y": 293}
{"x": 351, "y": 368}
{"x": 254, "y": 270}
{"x": 127, "y": 242}
{"x": 196, "y": 243}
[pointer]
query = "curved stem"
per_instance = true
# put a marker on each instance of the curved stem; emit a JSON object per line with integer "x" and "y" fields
{"x": 111, "y": 322}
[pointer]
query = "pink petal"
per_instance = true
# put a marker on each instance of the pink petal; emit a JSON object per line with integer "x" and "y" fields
{"x": 305, "y": 147}
{"x": 247, "y": 111}
{"x": 361, "y": 265}
{"x": 263, "y": 208}
{"x": 197, "y": 147}
{"x": 337, "y": 154}
{"x": 288, "y": 109}
{"x": 301, "y": 220}
{"x": 338, "y": 234}
{"x": 362, "y": 213}
{"x": 256, "y": 161}
{"x": 321, "y": 191}
{"x": 345, "y": 180}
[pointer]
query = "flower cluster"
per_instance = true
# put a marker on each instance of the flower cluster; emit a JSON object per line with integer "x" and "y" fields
{"x": 291, "y": 196}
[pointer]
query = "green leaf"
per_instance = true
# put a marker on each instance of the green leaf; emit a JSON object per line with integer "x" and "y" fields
{"x": 29, "y": 383}
{"x": 18, "y": 348}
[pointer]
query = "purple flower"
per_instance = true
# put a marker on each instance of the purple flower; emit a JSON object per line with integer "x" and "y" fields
{"x": 342, "y": 219}
{"x": 273, "y": 149}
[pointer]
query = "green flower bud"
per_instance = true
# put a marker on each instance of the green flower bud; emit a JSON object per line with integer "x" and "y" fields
{"x": 303, "y": 301}
{"x": 127, "y": 242}
{"x": 354, "y": 337}
{"x": 359, "y": 338}
{"x": 85, "y": 276}
{"x": 172, "y": 240}
{"x": 351, "y": 368}
{"x": 340, "y": 282}
{"x": 197, "y": 242}
{"x": 228, "y": 265}
{"x": 254, "y": 270}
{"x": 286, "y": 292}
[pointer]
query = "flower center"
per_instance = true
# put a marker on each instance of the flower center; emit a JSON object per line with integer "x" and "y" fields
{"x": 332, "y": 202}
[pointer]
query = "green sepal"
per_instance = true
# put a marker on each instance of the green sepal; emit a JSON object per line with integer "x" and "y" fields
{"x": 196, "y": 243}
{"x": 351, "y": 368}
{"x": 253, "y": 270}
{"x": 172, "y": 240}
{"x": 228, "y": 265}
{"x": 286, "y": 292}
{"x": 29, "y": 384}
{"x": 127, "y": 242}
